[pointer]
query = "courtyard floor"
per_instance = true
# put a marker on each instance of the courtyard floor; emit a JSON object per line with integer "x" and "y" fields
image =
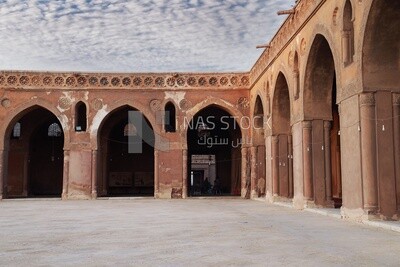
{"x": 218, "y": 232}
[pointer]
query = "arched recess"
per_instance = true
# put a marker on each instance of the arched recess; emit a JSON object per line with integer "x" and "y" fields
{"x": 381, "y": 48}
{"x": 34, "y": 156}
{"x": 80, "y": 117}
{"x": 282, "y": 149}
{"x": 321, "y": 108}
{"x": 348, "y": 33}
{"x": 258, "y": 172}
{"x": 214, "y": 153}
{"x": 170, "y": 118}
{"x": 126, "y": 154}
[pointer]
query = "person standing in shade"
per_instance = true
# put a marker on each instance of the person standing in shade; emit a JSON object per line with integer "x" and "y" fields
{"x": 217, "y": 186}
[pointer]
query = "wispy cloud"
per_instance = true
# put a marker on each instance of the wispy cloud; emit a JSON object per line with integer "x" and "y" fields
{"x": 135, "y": 36}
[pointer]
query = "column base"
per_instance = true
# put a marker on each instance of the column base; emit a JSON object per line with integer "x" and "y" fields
{"x": 269, "y": 197}
{"x": 329, "y": 204}
{"x": 94, "y": 194}
{"x": 276, "y": 198}
{"x": 254, "y": 194}
{"x": 310, "y": 204}
{"x": 359, "y": 214}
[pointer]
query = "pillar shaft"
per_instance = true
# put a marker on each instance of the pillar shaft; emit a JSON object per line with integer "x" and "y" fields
{"x": 65, "y": 175}
{"x": 156, "y": 174}
{"x": 328, "y": 171}
{"x": 368, "y": 151}
{"x": 2, "y": 173}
{"x": 253, "y": 174}
{"x": 396, "y": 133}
{"x": 184, "y": 173}
{"x": 307, "y": 161}
{"x": 94, "y": 174}
{"x": 275, "y": 165}
{"x": 290, "y": 162}
{"x": 244, "y": 172}
{"x": 296, "y": 84}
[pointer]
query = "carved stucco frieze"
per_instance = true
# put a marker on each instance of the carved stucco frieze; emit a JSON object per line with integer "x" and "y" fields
{"x": 396, "y": 99}
{"x": 27, "y": 80}
{"x": 5, "y": 103}
{"x": 243, "y": 103}
{"x": 155, "y": 105}
{"x": 303, "y": 10}
{"x": 367, "y": 99}
{"x": 185, "y": 104}
{"x": 97, "y": 104}
{"x": 64, "y": 102}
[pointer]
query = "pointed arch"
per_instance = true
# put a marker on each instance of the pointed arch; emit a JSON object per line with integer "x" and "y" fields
{"x": 348, "y": 33}
{"x": 381, "y": 53}
{"x": 170, "y": 117}
{"x": 319, "y": 74}
{"x": 80, "y": 117}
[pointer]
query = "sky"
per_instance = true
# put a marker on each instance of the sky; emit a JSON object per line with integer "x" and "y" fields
{"x": 136, "y": 35}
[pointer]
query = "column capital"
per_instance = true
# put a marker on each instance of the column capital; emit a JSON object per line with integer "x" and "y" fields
{"x": 396, "y": 99}
{"x": 327, "y": 124}
{"x": 307, "y": 124}
{"x": 367, "y": 99}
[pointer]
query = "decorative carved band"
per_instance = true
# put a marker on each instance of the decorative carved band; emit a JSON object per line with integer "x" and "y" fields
{"x": 124, "y": 81}
{"x": 303, "y": 10}
{"x": 367, "y": 99}
{"x": 396, "y": 99}
{"x": 327, "y": 124}
{"x": 307, "y": 124}
{"x": 274, "y": 139}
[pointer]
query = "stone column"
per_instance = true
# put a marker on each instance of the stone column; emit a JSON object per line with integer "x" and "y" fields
{"x": 64, "y": 194}
{"x": 184, "y": 173}
{"x": 2, "y": 173}
{"x": 156, "y": 174}
{"x": 368, "y": 152}
{"x": 275, "y": 166}
{"x": 296, "y": 84}
{"x": 94, "y": 174}
{"x": 290, "y": 162}
{"x": 307, "y": 161}
{"x": 253, "y": 174}
{"x": 244, "y": 172}
{"x": 396, "y": 134}
{"x": 328, "y": 171}
{"x": 346, "y": 46}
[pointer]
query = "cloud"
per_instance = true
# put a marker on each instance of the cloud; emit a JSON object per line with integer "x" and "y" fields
{"x": 135, "y": 36}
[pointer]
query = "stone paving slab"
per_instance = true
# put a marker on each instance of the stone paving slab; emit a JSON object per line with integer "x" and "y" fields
{"x": 194, "y": 232}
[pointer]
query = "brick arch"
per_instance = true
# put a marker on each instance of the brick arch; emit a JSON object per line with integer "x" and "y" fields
{"x": 25, "y": 108}
{"x": 317, "y": 101}
{"x": 380, "y": 46}
{"x": 278, "y": 109}
{"x": 263, "y": 97}
{"x": 286, "y": 73}
{"x": 335, "y": 47}
{"x": 101, "y": 117}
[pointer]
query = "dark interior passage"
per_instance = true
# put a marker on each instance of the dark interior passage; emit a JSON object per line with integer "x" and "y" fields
{"x": 214, "y": 156}
{"x": 126, "y": 173}
{"x": 35, "y": 157}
